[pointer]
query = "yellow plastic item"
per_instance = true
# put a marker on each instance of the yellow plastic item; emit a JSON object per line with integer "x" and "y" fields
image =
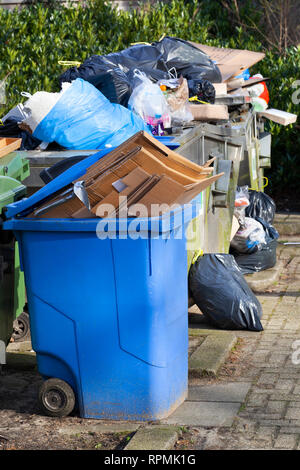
{"x": 69, "y": 63}
{"x": 137, "y": 43}
{"x": 264, "y": 186}
{"x": 195, "y": 98}
{"x": 197, "y": 255}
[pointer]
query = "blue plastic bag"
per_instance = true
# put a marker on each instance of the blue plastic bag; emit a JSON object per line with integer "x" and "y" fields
{"x": 84, "y": 118}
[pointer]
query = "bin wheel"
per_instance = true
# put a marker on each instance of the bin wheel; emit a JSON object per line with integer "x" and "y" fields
{"x": 21, "y": 327}
{"x": 56, "y": 398}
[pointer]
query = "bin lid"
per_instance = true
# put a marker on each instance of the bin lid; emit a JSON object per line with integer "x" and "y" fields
{"x": 168, "y": 141}
{"x": 10, "y": 190}
{"x": 164, "y": 224}
{"x": 76, "y": 171}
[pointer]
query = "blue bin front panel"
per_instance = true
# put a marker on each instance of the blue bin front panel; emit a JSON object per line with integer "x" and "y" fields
{"x": 110, "y": 318}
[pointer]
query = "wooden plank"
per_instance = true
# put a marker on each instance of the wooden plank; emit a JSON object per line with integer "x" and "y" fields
{"x": 8, "y": 145}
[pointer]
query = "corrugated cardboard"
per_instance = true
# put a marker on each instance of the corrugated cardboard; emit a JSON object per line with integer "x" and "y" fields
{"x": 221, "y": 88}
{"x": 144, "y": 171}
{"x": 209, "y": 112}
{"x": 231, "y": 62}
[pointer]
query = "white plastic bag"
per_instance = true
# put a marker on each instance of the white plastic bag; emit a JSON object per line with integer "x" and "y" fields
{"x": 249, "y": 238}
{"x": 39, "y": 105}
{"x": 240, "y": 204}
{"x": 148, "y": 101}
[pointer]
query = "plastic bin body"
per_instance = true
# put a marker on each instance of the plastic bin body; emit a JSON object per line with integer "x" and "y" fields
{"x": 108, "y": 316}
{"x": 12, "y": 286}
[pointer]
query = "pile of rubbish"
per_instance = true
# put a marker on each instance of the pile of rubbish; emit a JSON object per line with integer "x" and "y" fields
{"x": 156, "y": 88}
{"x": 123, "y": 104}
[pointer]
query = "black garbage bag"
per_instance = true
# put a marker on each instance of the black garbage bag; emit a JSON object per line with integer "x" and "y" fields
{"x": 187, "y": 59}
{"x": 11, "y": 129}
{"x": 154, "y": 60}
{"x": 262, "y": 259}
{"x": 203, "y": 89}
{"x": 222, "y": 294}
{"x": 261, "y": 205}
{"x": 106, "y": 76}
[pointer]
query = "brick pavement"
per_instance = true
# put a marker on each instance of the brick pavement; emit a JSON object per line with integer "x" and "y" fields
{"x": 270, "y": 416}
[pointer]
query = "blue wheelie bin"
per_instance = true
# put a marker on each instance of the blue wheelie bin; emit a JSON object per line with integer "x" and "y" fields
{"x": 108, "y": 312}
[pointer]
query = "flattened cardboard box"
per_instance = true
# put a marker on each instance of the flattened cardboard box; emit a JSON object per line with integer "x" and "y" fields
{"x": 231, "y": 62}
{"x": 143, "y": 170}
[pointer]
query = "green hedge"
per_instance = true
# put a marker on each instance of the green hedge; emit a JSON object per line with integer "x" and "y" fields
{"x": 34, "y": 39}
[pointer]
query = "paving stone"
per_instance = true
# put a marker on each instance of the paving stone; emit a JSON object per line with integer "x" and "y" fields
{"x": 211, "y": 354}
{"x": 276, "y": 407}
{"x": 285, "y": 441}
{"x": 293, "y": 413}
{"x": 257, "y": 399}
{"x": 204, "y": 414}
{"x": 267, "y": 379}
{"x": 229, "y": 392}
{"x": 284, "y": 384}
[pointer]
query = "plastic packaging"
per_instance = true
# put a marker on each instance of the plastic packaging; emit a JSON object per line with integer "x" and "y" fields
{"x": 148, "y": 101}
{"x": 222, "y": 294}
{"x": 177, "y": 97}
{"x": 39, "y": 105}
{"x": 261, "y": 205}
{"x": 250, "y": 237}
{"x": 259, "y": 94}
{"x": 262, "y": 259}
{"x": 84, "y": 119}
{"x": 240, "y": 204}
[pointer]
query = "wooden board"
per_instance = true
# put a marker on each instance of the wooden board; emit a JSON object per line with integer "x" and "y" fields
{"x": 278, "y": 116}
{"x": 8, "y": 145}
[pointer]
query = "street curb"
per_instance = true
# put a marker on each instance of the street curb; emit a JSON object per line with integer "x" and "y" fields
{"x": 19, "y": 346}
{"x": 154, "y": 438}
{"x": 287, "y": 224}
{"x": 262, "y": 280}
{"x": 209, "y": 357}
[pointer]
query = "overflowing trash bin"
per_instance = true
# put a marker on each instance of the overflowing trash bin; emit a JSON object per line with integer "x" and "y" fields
{"x": 108, "y": 299}
{"x": 172, "y": 124}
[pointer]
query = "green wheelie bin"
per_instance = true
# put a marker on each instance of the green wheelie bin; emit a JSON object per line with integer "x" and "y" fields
{"x": 13, "y": 169}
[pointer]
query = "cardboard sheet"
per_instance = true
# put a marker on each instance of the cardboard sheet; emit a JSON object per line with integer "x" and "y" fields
{"x": 209, "y": 112}
{"x": 143, "y": 170}
{"x": 231, "y": 62}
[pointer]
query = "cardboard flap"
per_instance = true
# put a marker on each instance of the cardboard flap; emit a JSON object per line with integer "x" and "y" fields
{"x": 230, "y": 62}
{"x": 164, "y": 193}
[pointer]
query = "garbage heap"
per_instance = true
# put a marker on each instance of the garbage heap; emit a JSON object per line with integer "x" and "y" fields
{"x": 108, "y": 310}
